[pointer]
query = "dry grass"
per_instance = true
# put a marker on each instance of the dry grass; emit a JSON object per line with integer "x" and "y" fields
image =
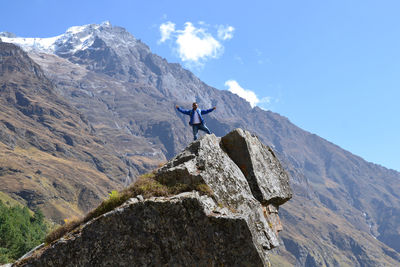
{"x": 62, "y": 230}
{"x": 10, "y": 202}
{"x": 28, "y": 168}
{"x": 36, "y": 171}
{"x": 146, "y": 162}
{"x": 145, "y": 185}
{"x": 278, "y": 260}
{"x": 205, "y": 189}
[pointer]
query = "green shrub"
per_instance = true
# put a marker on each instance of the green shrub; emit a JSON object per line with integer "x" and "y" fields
{"x": 19, "y": 231}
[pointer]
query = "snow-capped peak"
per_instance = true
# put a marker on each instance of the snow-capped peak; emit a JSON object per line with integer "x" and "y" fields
{"x": 74, "y": 39}
{"x": 78, "y": 29}
{"x": 39, "y": 44}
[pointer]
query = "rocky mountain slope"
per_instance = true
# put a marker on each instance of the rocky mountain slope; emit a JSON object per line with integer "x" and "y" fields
{"x": 235, "y": 225}
{"x": 344, "y": 210}
{"x": 51, "y": 157}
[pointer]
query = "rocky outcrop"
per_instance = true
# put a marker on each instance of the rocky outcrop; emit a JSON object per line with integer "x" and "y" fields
{"x": 228, "y": 227}
{"x": 206, "y": 162}
{"x": 256, "y": 160}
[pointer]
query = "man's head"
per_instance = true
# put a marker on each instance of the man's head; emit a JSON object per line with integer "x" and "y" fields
{"x": 195, "y": 105}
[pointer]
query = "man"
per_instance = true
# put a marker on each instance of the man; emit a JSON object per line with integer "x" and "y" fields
{"x": 196, "y": 120}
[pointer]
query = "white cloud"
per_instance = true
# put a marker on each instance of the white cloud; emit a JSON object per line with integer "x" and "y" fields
{"x": 166, "y": 29}
{"x": 225, "y": 32}
{"x": 248, "y": 95}
{"x": 195, "y": 44}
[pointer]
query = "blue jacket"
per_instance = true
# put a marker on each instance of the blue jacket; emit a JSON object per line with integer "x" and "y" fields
{"x": 191, "y": 113}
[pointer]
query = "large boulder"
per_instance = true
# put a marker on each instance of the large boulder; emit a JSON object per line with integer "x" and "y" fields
{"x": 213, "y": 161}
{"x": 231, "y": 226}
{"x": 267, "y": 179}
{"x": 183, "y": 230}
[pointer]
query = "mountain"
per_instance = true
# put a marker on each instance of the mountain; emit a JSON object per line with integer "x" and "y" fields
{"x": 344, "y": 211}
{"x": 51, "y": 157}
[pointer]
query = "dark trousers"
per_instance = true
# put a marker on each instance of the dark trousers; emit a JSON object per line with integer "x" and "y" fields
{"x": 197, "y": 127}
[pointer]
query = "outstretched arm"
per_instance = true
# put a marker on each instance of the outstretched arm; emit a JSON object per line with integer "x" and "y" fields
{"x": 207, "y": 110}
{"x": 184, "y": 111}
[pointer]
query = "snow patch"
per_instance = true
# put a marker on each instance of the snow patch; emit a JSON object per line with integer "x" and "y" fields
{"x": 40, "y": 44}
{"x": 76, "y": 38}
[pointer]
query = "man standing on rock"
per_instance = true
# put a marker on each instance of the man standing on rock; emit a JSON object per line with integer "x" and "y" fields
{"x": 196, "y": 120}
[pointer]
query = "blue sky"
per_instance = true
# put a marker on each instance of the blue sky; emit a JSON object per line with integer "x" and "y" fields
{"x": 331, "y": 67}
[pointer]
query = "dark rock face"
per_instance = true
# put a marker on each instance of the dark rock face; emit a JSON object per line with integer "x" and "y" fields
{"x": 230, "y": 228}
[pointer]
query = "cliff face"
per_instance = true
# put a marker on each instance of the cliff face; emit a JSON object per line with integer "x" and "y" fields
{"x": 229, "y": 227}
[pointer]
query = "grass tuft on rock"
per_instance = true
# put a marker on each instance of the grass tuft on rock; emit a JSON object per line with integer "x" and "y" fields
{"x": 145, "y": 185}
{"x": 115, "y": 199}
{"x": 60, "y": 231}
